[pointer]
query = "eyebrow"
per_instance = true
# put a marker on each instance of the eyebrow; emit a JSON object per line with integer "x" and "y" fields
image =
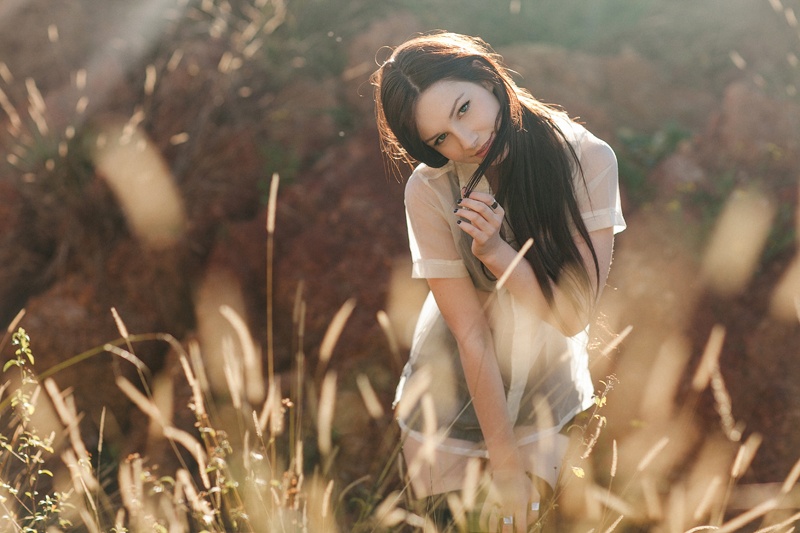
{"x": 452, "y": 111}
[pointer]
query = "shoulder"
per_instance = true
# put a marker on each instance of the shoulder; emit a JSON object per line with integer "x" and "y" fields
{"x": 423, "y": 179}
{"x": 596, "y": 154}
{"x": 573, "y": 132}
{"x": 590, "y": 150}
{"x": 425, "y": 173}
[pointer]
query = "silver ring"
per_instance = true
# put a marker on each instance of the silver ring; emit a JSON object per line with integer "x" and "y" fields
{"x": 535, "y": 506}
{"x": 494, "y": 205}
{"x": 508, "y": 520}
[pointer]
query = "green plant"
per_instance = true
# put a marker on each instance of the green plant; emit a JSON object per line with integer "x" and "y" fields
{"x": 26, "y": 496}
{"x": 640, "y": 153}
{"x": 567, "y": 23}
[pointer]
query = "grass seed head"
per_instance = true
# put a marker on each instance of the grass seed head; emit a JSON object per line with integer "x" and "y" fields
{"x": 327, "y": 400}
{"x": 371, "y": 401}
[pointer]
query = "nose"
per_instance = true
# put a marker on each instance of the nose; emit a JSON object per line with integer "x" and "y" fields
{"x": 467, "y": 138}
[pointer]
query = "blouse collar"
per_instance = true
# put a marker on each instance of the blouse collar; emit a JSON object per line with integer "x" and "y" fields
{"x": 465, "y": 172}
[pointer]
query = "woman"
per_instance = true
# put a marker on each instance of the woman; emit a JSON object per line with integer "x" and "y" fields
{"x": 494, "y": 373}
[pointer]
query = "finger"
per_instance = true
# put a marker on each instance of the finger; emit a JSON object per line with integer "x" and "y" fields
{"x": 471, "y": 209}
{"x": 495, "y": 215}
{"x": 482, "y": 197}
{"x": 533, "y": 513}
{"x": 521, "y": 520}
{"x": 509, "y": 522}
{"x": 478, "y": 220}
{"x": 488, "y": 200}
{"x": 494, "y": 523}
{"x": 484, "y": 204}
{"x": 503, "y": 526}
{"x": 533, "y": 517}
{"x": 479, "y": 238}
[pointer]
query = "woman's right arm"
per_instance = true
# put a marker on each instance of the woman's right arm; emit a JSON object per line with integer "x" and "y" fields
{"x": 460, "y": 306}
{"x": 436, "y": 258}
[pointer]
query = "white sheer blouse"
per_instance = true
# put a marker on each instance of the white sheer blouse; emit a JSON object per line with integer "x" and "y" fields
{"x": 545, "y": 374}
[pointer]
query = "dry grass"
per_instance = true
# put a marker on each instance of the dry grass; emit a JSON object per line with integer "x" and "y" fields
{"x": 264, "y": 484}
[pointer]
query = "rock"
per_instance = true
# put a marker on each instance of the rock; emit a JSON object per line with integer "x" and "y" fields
{"x": 351, "y": 424}
{"x": 18, "y": 264}
{"x": 339, "y": 231}
{"x": 9, "y": 211}
{"x": 301, "y": 117}
{"x": 67, "y": 320}
{"x": 236, "y": 275}
{"x": 150, "y": 291}
{"x": 221, "y": 180}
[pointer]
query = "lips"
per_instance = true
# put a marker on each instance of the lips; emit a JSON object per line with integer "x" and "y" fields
{"x": 485, "y": 148}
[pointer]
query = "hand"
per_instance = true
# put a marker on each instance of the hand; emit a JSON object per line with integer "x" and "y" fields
{"x": 481, "y": 222}
{"x": 510, "y": 495}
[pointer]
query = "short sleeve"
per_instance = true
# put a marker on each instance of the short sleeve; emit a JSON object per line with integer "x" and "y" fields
{"x": 433, "y": 250}
{"x": 599, "y": 200}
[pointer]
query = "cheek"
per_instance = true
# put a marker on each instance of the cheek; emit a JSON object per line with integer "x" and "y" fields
{"x": 484, "y": 117}
{"x": 491, "y": 107}
{"x": 449, "y": 152}
{"x": 452, "y": 150}
{"x": 494, "y": 111}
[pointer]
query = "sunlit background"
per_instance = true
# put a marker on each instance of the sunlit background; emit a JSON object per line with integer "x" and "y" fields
{"x": 138, "y": 145}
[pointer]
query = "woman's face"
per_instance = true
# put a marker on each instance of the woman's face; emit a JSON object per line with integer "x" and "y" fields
{"x": 458, "y": 119}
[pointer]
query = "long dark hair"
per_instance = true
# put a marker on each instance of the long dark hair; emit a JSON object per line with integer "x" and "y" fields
{"x": 536, "y": 162}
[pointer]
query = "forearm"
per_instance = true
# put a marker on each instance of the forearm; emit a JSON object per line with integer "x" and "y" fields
{"x": 461, "y": 308}
{"x": 522, "y": 283}
{"x": 569, "y": 313}
{"x": 485, "y": 385}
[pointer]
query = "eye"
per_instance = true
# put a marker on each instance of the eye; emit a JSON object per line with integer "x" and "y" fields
{"x": 440, "y": 139}
{"x": 463, "y": 108}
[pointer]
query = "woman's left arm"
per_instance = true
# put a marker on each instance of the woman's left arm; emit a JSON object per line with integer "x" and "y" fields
{"x": 484, "y": 227}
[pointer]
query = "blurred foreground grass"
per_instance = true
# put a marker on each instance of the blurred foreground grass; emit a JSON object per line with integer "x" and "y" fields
{"x": 272, "y": 466}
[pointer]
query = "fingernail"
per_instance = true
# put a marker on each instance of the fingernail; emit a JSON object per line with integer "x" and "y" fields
{"x": 459, "y": 222}
{"x": 458, "y": 202}
{"x": 455, "y": 210}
